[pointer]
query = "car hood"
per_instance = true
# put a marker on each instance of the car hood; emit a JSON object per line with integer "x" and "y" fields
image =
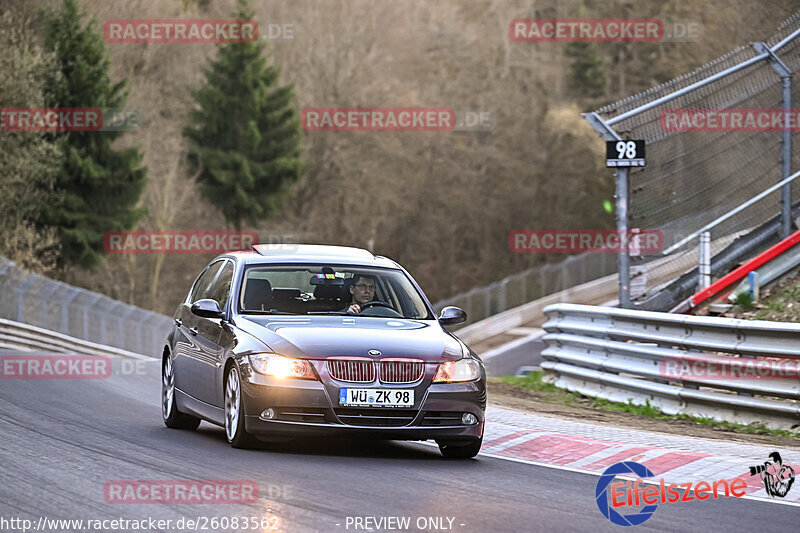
{"x": 337, "y": 336}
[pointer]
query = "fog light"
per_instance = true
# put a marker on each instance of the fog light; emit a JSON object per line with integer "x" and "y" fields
{"x": 468, "y": 419}
{"x": 268, "y": 414}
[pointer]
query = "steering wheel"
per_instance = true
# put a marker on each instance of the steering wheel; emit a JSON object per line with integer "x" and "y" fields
{"x": 378, "y": 303}
{"x": 375, "y": 303}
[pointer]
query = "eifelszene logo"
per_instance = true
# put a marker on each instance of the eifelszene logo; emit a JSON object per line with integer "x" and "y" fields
{"x": 777, "y": 477}
{"x": 613, "y": 497}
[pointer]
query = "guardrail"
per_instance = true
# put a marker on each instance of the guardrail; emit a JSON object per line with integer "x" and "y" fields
{"x": 78, "y": 313}
{"x": 742, "y": 371}
{"x": 19, "y": 336}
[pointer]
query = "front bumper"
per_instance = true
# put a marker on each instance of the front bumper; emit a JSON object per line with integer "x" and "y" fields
{"x": 310, "y": 408}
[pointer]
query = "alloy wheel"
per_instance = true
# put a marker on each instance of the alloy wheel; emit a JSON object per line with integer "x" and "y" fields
{"x": 232, "y": 403}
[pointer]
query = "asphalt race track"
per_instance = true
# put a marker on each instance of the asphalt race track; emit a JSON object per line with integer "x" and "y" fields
{"x": 62, "y": 440}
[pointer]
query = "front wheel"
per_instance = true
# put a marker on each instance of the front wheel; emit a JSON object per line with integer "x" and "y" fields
{"x": 460, "y": 449}
{"x": 237, "y": 435}
{"x": 169, "y": 411}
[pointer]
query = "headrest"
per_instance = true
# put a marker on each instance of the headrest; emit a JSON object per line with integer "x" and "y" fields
{"x": 257, "y": 293}
{"x": 285, "y": 294}
{"x": 328, "y": 292}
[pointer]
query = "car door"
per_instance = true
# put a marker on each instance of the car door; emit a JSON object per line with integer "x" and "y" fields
{"x": 190, "y": 375}
{"x": 214, "y": 337}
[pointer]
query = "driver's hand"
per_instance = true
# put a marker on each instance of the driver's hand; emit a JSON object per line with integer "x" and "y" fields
{"x": 355, "y": 308}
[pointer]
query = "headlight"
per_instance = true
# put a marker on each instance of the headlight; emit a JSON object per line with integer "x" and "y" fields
{"x": 280, "y": 366}
{"x": 455, "y": 371}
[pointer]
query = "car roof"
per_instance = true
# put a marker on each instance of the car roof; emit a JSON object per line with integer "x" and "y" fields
{"x": 312, "y": 253}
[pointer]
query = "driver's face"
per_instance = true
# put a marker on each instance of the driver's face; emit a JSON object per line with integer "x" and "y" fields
{"x": 363, "y": 291}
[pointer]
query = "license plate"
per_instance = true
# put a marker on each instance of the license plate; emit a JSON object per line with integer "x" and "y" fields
{"x": 376, "y": 397}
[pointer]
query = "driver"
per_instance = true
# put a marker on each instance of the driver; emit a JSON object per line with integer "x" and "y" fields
{"x": 363, "y": 290}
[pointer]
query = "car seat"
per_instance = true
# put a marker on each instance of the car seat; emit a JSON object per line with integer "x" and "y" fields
{"x": 257, "y": 294}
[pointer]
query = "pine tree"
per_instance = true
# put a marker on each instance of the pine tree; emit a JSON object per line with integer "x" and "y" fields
{"x": 245, "y": 134}
{"x": 29, "y": 161}
{"x": 97, "y": 187}
{"x": 586, "y": 72}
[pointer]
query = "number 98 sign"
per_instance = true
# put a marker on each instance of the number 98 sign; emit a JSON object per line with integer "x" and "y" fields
{"x": 625, "y": 154}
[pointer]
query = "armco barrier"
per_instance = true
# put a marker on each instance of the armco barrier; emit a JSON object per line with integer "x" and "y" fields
{"x": 624, "y": 355}
{"x": 18, "y": 336}
{"x": 78, "y": 313}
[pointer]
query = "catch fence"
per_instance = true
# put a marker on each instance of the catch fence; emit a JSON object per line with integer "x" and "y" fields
{"x": 695, "y": 177}
{"x": 40, "y": 301}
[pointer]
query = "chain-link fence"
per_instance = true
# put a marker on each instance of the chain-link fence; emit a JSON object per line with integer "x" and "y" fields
{"x": 694, "y": 177}
{"x": 43, "y": 302}
{"x": 46, "y": 303}
{"x": 532, "y": 284}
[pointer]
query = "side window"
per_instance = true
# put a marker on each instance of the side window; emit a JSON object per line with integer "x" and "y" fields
{"x": 223, "y": 285}
{"x": 203, "y": 284}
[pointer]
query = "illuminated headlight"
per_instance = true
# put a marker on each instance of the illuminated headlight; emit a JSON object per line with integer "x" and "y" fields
{"x": 280, "y": 366}
{"x": 454, "y": 371}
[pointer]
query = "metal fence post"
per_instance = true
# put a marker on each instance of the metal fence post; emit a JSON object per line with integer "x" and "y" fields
{"x": 21, "y": 297}
{"x": 45, "y": 300}
{"x": 786, "y": 135}
{"x": 786, "y": 159}
{"x": 622, "y": 230}
{"x": 122, "y": 319}
{"x": 543, "y": 279}
{"x": 104, "y": 323}
{"x": 89, "y": 305}
{"x": 65, "y": 310}
{"x": 608, "y": 133}
{"x": 704, "y": 268}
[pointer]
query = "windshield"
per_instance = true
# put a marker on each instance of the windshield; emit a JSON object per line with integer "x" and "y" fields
{"x": 330, "y": 290}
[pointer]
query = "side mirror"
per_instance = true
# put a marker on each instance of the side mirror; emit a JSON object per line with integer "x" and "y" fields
{"x": 207, "y": 308}
{"x": 452, "y": 315}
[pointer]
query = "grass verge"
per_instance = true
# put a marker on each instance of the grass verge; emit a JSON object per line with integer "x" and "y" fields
{"x": 547, "y": 392}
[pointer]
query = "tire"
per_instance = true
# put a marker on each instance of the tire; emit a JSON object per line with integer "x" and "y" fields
{"x": 460, "y": 449}
{"x": 169, "y": 410}
{"x": 235, "y": 431}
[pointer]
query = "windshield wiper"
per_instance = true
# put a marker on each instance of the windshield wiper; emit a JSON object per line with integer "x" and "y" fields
{"x": 345, "y": 313}
{"x": 270, "y": 312}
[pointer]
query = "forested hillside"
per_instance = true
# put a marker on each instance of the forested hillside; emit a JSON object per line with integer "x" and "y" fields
{"x": 440, "y": 203}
